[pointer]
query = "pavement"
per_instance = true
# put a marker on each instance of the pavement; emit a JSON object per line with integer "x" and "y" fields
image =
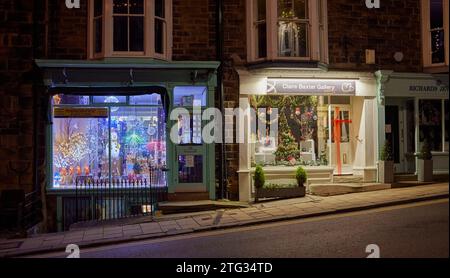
{"x": 259, "y": 213}
{"x": 415, "y": 230}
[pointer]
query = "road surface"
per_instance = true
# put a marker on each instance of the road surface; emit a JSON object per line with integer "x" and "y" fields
{"x": 413, "y": 230}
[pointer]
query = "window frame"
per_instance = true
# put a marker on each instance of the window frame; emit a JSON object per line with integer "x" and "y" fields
{"x": 317, "y": 40}
{"x": 426, "y": 37}
{"x": 149, "y": 32}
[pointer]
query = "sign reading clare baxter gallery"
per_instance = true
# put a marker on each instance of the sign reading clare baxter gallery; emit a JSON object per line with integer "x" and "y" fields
{"x": 311, "y": 86}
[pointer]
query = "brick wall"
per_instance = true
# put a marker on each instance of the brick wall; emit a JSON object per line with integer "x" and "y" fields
{"x": 67, "y": 38}
{"x": 16, "y": 102}
{"x": 194, "y": 30}
{"x": 235, "y": 51}
{"x": 352, "y": 28}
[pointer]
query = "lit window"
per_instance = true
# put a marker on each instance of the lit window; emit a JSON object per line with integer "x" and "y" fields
{"x": 293, "y": 26}
{"x": 95, "y": 143}
{"x": 130, "y": 28}
{"x": 287, "y": 29}
{"x": 435, "y": 30}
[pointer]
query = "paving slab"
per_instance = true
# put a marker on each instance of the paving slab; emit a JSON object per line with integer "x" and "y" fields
{"x": 256, "y": 213}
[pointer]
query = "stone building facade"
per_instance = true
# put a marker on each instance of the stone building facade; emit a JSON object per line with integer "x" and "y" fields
{"x": 40, "y": 29}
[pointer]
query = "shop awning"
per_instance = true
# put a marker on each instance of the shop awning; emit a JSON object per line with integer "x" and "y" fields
{"x": 124, "y": 76}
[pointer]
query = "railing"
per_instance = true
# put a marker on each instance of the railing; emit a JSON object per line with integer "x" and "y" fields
{"x": 32, "y": 210}
{"x": 105, "y": 199}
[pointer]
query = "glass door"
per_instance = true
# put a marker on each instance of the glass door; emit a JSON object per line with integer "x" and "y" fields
{"x": 190, "y": 150}
{"x": 340, "y": 134}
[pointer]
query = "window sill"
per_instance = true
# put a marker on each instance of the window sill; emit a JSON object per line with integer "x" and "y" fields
{"x": 279, "y": 64}
{"x": 436, "y": 69}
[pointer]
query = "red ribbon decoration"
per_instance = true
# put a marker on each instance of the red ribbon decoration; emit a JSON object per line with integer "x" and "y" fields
{"x": 337, "y": 137}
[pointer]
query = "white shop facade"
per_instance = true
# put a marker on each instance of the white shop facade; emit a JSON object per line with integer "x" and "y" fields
{"x": 326, "y": 124}
{"x": 413, "y": 108}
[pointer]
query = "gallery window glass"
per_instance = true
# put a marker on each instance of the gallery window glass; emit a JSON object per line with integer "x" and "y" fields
{"x": 302, "y": 131}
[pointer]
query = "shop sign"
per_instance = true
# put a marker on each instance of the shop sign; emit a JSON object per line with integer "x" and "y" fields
{"x": 80, "y": 112}
{"x": 428, "y": 89}
{"x": 311, "y": 87}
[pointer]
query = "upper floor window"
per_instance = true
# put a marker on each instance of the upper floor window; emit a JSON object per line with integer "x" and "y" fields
{"x": 130, "y": 28}
{"x": 435, "y": 34}
{"x": 287, "y": 29}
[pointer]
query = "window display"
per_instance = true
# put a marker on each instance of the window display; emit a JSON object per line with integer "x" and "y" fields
{"x": 302, "y": 131}
{"x": 430, "y": 119}
{"x": 123, "y": 143}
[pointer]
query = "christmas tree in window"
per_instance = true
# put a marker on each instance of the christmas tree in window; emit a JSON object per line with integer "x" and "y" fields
{"x": 287, "y": 148}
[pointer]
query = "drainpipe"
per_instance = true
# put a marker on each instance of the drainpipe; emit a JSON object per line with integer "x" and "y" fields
{"x": 220, "y": 93}
{"x": 38, "y": 19}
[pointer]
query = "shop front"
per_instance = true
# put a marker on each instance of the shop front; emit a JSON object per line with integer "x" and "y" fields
{"x": 413, "y": 109}
{"x": 108, "y": 136}
{"x": 323, "y": 121}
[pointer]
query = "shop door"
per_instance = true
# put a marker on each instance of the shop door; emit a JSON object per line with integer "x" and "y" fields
{"x": 190, "y": 156}
{"x": 400, "y": 132}
{"x": 394, "y": 134}
{"x": 340, "y": 122}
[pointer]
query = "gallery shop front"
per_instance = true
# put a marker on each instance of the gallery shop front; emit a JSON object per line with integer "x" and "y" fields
{"x": 325, "y": 124}
{"x": 109, "y": 122}
{"x": 413, "y": 108}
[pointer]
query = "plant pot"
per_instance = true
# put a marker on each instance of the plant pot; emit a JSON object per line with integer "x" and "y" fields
{"x": 425, "y": 170}
{"x": 294, "y": 192}
{"x": 386, "y": 171}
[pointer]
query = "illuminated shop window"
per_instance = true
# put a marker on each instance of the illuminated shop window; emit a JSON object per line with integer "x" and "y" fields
{"x": 110, "y": 99}
{"x": 185, "y": 96}
{"x": 302, "y": 131}
{"x": 115, "y": 141}
{"x": 430, "y": 123}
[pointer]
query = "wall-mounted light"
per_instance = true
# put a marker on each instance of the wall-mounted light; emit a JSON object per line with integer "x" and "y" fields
{"x": 398, "y": 56}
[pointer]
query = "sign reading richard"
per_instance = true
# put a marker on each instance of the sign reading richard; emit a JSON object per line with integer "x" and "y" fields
{"x": 311, "y": 87}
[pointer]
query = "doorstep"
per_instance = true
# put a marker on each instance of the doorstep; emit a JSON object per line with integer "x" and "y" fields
{"x": 197, "y": 206}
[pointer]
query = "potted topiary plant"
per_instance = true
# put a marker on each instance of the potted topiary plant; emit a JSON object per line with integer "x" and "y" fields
{"x": 259, "y": 179}
{"x": 301, "y": 176}
{"x": 425, "y": 164}
{"x": 386, "y": 164}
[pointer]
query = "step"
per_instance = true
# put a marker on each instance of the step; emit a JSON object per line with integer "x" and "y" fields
{"x": 196, "y": 206}
{"x": 319, "y": 180}
{"x": 339, "y": 189}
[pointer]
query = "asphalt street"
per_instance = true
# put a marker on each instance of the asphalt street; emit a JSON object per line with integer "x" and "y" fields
{"x": 413, "y": 230}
